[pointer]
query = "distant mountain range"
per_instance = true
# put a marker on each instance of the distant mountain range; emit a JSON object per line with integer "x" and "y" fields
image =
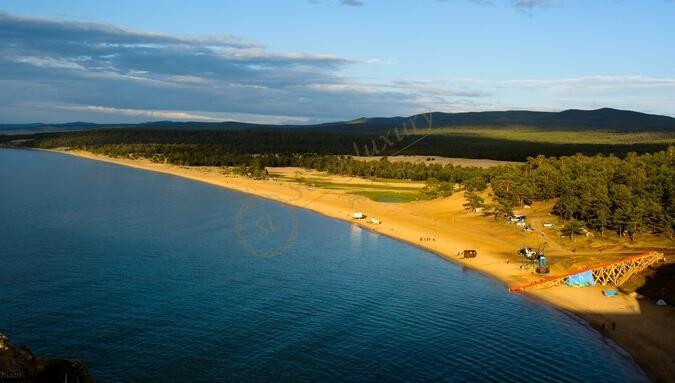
{"x": 573, "y": 119}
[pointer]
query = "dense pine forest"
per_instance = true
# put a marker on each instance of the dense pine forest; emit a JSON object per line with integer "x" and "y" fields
{"x": 601, "y": 193}
{"x": 214, "y": 144}
{"x": 627, "y": 194}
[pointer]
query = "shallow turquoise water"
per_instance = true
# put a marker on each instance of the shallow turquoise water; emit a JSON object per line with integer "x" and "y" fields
{"x": 154, "y": 278}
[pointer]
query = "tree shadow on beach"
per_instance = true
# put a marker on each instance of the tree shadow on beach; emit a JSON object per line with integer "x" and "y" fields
{"x": 650, "y": 335}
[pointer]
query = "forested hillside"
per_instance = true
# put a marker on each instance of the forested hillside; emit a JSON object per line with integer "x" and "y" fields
{"x": 605, "y": 119}
{"x": 214, "y": 144}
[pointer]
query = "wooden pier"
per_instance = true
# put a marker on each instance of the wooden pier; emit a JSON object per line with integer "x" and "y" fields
{"x": 615, "y": 273}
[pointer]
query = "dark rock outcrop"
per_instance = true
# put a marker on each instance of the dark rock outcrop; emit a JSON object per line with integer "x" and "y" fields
{"x": 19, "y": 364}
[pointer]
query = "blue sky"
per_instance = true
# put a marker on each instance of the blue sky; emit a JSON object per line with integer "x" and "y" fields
{"x": 304, "y": 61}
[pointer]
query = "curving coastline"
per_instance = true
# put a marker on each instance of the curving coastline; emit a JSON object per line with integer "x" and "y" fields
{"x": 643, "y": 330}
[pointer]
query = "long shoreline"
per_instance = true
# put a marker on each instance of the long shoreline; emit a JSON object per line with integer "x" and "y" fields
{"x": 644, "y": 332}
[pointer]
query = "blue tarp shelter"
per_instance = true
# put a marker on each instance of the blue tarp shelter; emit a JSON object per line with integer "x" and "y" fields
{"x": 584, "y": 279}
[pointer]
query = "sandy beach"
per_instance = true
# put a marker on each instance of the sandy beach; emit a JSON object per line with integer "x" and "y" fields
{"x": 442, "y": 226}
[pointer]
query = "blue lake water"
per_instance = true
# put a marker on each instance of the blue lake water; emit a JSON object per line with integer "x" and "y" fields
{"x": 149, "y": 277}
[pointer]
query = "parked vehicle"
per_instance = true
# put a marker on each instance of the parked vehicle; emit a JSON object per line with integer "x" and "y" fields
{"x": 530, "y": 253}
{"x": 469, "y": 253}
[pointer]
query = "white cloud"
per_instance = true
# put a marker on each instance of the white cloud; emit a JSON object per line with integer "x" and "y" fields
{"x": 352, "y": 3}
{"x": 100, "y": 70}
{"x": 98, "y": 64}
{"x": 345, "y": 88}
{"x": 175, "y": 115}
{"x": 529, "y": 4}
{"x": 594, "y": 82}
{"x": 439, "y": 88}
{"x": 46, "y": 62}
{"x": 151, "y": 114}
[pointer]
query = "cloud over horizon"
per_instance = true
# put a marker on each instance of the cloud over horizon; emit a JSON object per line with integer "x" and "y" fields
{"x": 56, "y": 71}
{"x": 352, "y": 3}
{"x": 75, "y": 63}
{"x": 529, "y": 4}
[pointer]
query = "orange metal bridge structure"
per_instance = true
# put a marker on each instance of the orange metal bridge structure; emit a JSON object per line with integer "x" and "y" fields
{"x": 615, "y": 272}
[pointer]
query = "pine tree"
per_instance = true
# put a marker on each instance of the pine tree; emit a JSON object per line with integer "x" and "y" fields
{"x": 571, "y": 228}
{"x": 473, "y": 201}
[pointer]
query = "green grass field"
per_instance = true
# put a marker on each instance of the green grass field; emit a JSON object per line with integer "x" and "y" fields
{"x": 580, "y": 136}
{"x": 390, "y": 196}
{"x": 379, "y": 193}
